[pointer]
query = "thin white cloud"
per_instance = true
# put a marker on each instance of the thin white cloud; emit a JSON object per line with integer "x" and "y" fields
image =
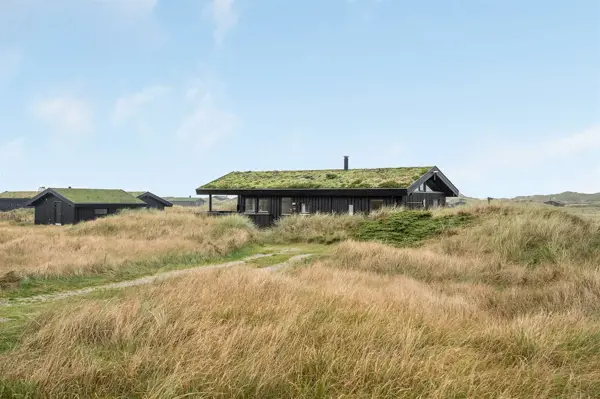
{"x": 66, "y": 114}
{"x": 133, "y": 105}
{"x": 516, "y": 158}
{"x": 531, "y": 154}
{"x": 206, "y": 124}
{"x": 224, "y": 17}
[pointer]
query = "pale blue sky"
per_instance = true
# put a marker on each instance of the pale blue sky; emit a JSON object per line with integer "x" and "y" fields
{"x": 165, "y": 95}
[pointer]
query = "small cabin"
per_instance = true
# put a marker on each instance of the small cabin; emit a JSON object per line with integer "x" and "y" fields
{"x": 152, "y": 201}
{"x": 58, "y": 206}
{"x": 267, "y": 196}
{"x": 554, "y": 203}
{"x": 10, "y": 200}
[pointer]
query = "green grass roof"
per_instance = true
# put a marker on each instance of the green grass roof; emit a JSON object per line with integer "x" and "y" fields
{"x": 18, "y": 194}
{"x": 97, "y": 196}
{"x": 137, "y": 193}
{"x": 334, "y": 178}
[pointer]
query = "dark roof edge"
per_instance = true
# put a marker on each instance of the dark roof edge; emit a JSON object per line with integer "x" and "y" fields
{"x": 45, "y": 193}
{"x": 434, "y": 170}
{"x": 307, "y": 191}
{"x": 156, "y": 198}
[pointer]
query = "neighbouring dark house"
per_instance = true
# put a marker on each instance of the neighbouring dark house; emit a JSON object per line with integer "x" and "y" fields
{"x": 10, "y": 200}
{"x": 152, "y": 201}
{"x": 268, "y": 196}
{"x": 186, "y": 201}
{"x": 73, "y": 205}
{"x": 554, "y": 203}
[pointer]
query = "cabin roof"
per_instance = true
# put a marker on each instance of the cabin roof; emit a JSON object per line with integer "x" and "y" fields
{"x": 18, "y": 194}
{"x": 320, "y": 179}
{"x": 140, "y": 194}
{"x": 83, "y": 196}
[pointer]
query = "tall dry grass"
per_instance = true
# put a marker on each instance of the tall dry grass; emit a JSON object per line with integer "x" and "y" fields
{"x": 452, "y": 318}
{"x": 110, "y": 242}
{"x": 316, "y": 332}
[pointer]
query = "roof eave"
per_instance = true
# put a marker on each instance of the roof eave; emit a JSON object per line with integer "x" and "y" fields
{"x": 306, "y": 191}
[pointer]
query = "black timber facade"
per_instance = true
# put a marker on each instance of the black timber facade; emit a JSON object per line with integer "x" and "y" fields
{"x": 265, "y": 206}
{"x": 53, "y": 209}
{"x": 8, "y": 204}
{"x": 154, "y": 201}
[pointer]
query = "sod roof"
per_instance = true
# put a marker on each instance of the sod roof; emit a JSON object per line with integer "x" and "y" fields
{"x": 97, "y": 196}
{"x": 315, "y": 179}
{"x": 18, "y": 194}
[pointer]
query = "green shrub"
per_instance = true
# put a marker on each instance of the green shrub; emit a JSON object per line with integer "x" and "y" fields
{"x": 406, "y": 228}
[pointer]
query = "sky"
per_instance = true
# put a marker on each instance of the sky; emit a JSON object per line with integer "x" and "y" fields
{"x": 163, "y": 95}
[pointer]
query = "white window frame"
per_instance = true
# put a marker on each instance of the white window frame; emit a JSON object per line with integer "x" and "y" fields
{"x": 291, "y": 208}
{"x": 263, "y": 200}
{"x": 251, "y": 200}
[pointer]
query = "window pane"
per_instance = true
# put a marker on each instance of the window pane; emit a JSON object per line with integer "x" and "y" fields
{"x": 101, "y": 211}
{"x": 263, "y": 205}
{"x": 304, "y": 208}
{"x": 286, "y": 206}
{"x": 376, "y": 205}
{"x": 250, "y": 205}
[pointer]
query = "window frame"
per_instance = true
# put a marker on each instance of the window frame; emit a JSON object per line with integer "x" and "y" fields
{"x": 263, "y": 200}
{"x": 291, "y": 208}
{"x": 304, "y": 209}
{"x": 378, "y": 200}
{"x": 254, "y": 204}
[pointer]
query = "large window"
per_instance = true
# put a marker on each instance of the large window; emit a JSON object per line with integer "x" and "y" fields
{"x": 286, "y": 206}
{"x": 376, "y": 204}
{"x": 304, "y": 208}
{"x": 250, "y": 205}
{"x": 99, "y": 212}
{"x": 263, "y": 205}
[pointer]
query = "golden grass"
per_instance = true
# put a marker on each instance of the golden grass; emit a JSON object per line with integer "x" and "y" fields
{"x": 108, "y": 243}
{"x": 316, "y": 332}
{"x": 507, "y": 307}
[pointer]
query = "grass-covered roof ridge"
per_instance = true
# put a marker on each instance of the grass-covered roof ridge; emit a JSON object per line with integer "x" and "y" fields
{"x": 18, "y": 194}
{"x": 315, "y": 179}
{"x": 97, "y": 196}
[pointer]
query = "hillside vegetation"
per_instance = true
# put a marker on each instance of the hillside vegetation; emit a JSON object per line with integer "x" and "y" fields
{"x": 109, "y": 243}
{"x": 567, "y": 197}
{"x": 500, "y": 302}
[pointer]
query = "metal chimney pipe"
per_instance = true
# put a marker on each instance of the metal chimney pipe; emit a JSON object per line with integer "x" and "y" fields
{"x": 346, "y": 162}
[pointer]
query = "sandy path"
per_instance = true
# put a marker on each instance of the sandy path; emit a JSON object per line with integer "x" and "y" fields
{"x": 151, "y": 279}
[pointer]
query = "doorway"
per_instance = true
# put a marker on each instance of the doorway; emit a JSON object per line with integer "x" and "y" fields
{"x": 58, "y": 213}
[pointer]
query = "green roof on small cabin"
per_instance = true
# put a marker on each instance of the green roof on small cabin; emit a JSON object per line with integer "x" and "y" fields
{"x": 315, "y": 179}
{"x": 97, "y": 196}
{"x": 18, "y": 194}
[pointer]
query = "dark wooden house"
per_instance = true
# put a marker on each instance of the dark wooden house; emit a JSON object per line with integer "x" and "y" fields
{"x": 268, "y": 196}
{"x": 73, "y": 205}
{"x": 186, "y": 201}
{"x": 152, "y": 201}
{"x": 10, "y": 200}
